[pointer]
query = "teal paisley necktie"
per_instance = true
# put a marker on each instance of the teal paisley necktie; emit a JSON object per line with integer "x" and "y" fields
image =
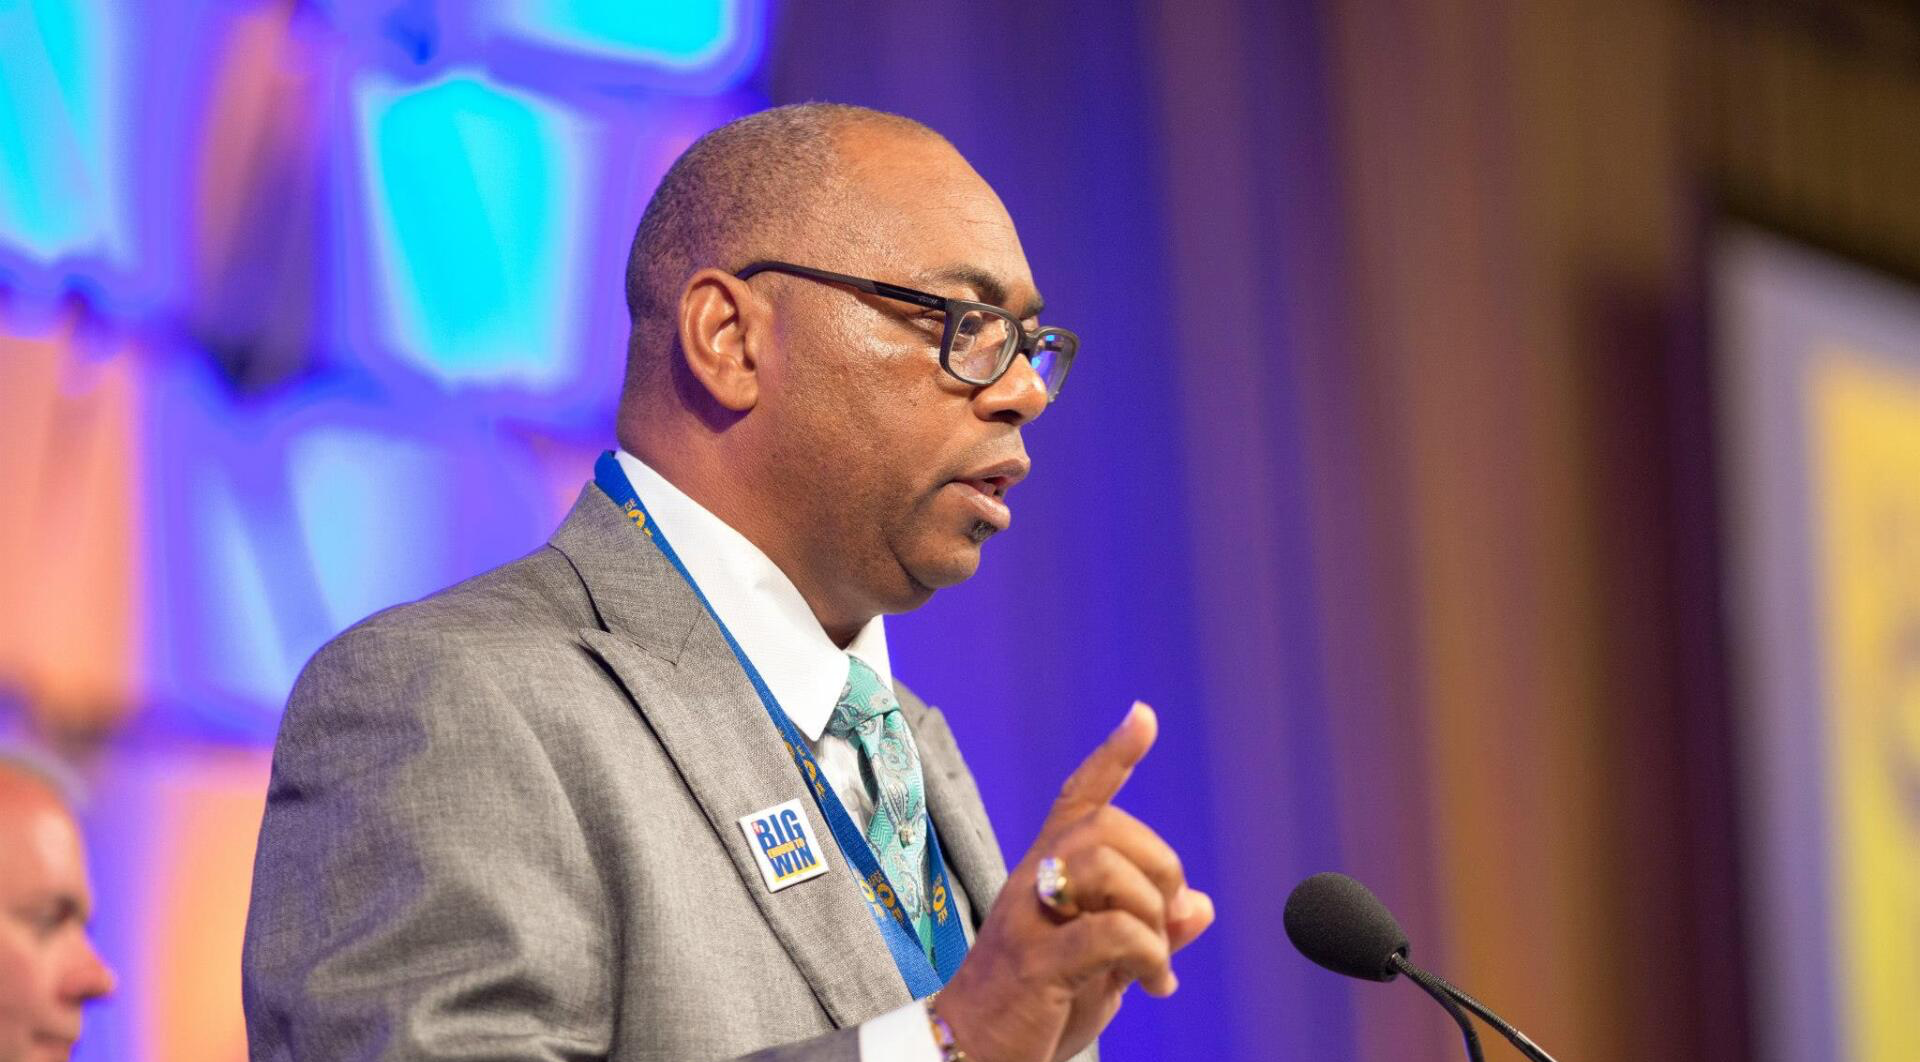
{"x": 869, "y": 718}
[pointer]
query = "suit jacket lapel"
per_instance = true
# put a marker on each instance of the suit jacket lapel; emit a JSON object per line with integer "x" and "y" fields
{"x": 667, "y": 652}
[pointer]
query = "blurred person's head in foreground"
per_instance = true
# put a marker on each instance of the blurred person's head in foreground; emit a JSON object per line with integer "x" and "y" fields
{"x": 48, "y": 968}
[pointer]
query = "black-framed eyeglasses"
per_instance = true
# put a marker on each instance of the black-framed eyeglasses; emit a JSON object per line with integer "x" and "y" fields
{"x": 980, "y": 340}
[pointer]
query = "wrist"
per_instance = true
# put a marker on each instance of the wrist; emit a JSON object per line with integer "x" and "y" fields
{"x": 943, "y": 1040}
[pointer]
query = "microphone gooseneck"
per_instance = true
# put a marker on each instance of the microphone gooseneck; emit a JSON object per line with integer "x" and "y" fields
{"x": 1434, "y": 987}
{"x": 1338, "y": 923}
{"x": 1514, "y": 1036}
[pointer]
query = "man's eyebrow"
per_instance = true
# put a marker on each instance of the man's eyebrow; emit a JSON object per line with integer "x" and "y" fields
{"x": 989, "y": 286}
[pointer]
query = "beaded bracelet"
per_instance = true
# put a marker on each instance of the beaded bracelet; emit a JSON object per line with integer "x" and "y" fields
{"x": 943, "y": 1035}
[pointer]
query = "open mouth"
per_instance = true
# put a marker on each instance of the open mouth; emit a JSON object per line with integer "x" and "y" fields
{"x": 984, "y": 489}
{"x": 986, "y": 496}
{"x": 991, "y": 486}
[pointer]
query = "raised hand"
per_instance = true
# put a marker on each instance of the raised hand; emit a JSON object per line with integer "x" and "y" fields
{"x": 1042, "y": 981}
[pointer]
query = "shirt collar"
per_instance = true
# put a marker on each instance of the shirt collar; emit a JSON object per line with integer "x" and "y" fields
{"x": 759, "y": 604}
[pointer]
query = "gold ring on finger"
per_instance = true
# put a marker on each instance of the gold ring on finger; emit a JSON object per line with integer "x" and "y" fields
{"x": 1050, "y": 884}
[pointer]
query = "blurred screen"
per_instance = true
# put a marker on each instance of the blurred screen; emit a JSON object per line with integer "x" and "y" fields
{"x": 1820, "y": 378}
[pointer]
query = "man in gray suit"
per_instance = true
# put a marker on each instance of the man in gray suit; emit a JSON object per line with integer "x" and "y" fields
{"x": 649, "y": 792}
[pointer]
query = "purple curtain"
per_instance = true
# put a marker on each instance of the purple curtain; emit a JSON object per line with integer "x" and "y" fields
{"x": 1173, "y": 205}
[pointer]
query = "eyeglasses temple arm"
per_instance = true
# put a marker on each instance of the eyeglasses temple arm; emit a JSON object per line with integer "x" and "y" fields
{"x": 871, "y": 287}
{"x": 918, "y": 298}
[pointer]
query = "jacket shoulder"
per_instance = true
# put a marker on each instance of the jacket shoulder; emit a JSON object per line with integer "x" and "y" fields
{"x": 470, "y": 645}
{"x": 540, "y": 592}
{"x": 536, "y": 602}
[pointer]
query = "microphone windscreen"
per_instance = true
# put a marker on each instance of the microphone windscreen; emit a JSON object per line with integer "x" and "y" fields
{"x": 1337, "y": 923}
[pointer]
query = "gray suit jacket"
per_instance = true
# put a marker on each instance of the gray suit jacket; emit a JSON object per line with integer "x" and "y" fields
{"x": 502, "y": 824}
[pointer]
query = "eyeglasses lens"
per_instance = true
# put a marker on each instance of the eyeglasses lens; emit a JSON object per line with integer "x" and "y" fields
{"x": 1050, "y": 355}
{"x": 980, "y": 340}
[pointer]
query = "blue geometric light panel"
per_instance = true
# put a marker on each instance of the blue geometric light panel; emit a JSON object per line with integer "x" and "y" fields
{"x": 473, "y": 196}
{"x": 62, "y": 91}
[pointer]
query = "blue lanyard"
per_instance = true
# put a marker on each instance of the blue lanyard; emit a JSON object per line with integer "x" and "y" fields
{"x": 923, "y": 978}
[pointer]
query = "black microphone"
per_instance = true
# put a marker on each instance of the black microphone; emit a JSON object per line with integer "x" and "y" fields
{"x": 1337, "y": 923}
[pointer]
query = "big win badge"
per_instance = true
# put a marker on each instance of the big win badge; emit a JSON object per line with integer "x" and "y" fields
{"x": 784, "y": 845}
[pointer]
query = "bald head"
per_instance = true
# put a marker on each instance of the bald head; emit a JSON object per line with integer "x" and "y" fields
{"x": 48, "y": 968}
{"x": 773, "y": 184}
{"x": 24, "y": 767}
{"x": 814, "y": 416}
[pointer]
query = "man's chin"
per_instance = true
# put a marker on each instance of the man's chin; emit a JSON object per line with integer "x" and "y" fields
{"x": 48, "y": 1049}
{"x": 949, "y": 566}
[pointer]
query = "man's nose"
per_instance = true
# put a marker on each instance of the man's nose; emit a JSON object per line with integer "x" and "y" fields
{"x": 1019, "y": 395}
{"x": 93, "y": 978}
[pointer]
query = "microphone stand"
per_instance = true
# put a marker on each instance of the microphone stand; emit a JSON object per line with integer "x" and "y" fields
{"x": 1439, "y": 990}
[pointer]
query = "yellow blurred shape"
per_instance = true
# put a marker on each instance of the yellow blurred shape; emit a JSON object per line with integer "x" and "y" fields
{"x": 1866, "y": 491}
{"x": 208, "y": 821}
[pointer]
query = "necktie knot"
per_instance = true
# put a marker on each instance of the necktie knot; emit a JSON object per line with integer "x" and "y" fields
{"x": 864, "y": 698}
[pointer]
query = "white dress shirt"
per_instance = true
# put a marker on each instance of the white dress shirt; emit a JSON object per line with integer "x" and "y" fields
{"x": 800, "y": 664}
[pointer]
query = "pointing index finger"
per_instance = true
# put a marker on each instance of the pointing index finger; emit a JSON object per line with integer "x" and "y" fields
{"x": 1099, "y": 777}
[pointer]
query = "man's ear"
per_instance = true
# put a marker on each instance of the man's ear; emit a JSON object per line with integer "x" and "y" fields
{"x": 723, "y": 326}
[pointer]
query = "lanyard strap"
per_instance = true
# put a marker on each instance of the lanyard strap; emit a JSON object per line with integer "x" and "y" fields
{"x": 923, "y": 978}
